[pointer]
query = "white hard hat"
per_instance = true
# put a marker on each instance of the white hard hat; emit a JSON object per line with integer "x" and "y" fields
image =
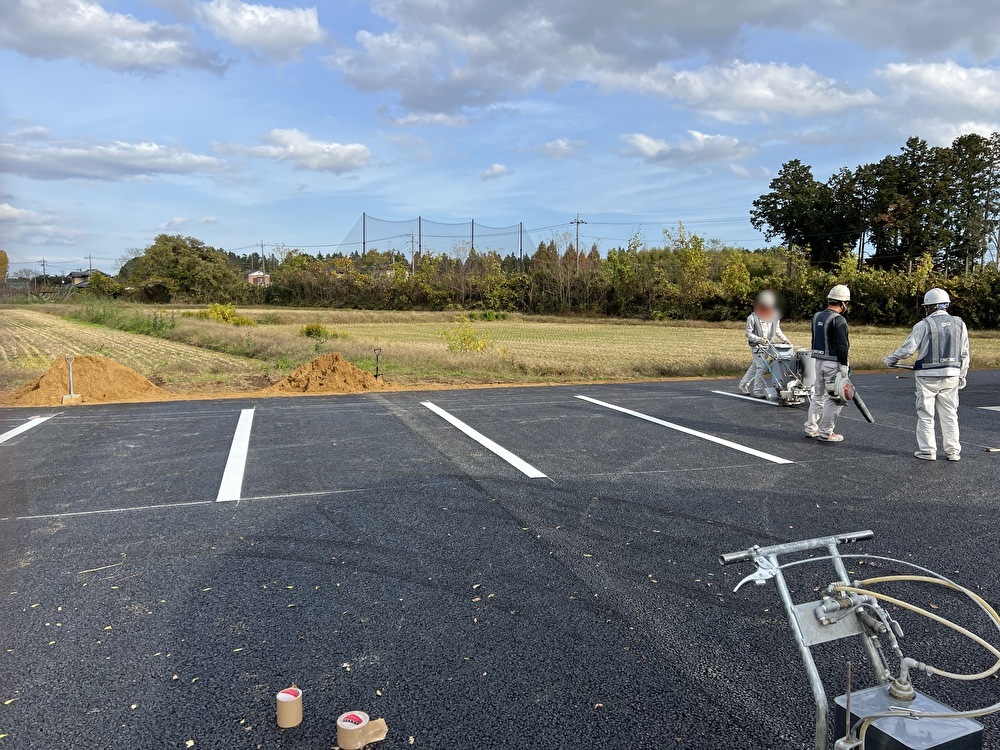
{"x": 936, "y": 296}
{"x": 840, "y": 293}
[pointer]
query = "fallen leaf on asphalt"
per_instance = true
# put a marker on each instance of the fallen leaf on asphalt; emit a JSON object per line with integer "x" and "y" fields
{"x": 189, "y": 743}
{"x": 9, "y": 701}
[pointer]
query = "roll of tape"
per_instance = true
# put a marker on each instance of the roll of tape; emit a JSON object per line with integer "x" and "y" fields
{"x": 289, "y": 707}
{"x": 355, "y": 729}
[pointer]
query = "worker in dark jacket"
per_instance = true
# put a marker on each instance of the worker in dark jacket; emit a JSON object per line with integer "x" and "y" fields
{"x": 831, "y": 350}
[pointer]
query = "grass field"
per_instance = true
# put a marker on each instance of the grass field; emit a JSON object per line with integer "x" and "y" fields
{"x": 31, "y": 340}
{"x": 205, "y": 356}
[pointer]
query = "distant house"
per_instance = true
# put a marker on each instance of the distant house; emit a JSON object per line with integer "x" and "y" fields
{"x": 259, "y": 278}
{"x": 80, "y": 279}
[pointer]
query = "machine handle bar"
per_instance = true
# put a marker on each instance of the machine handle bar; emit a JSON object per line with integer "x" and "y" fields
{"x": 730, "y": 558}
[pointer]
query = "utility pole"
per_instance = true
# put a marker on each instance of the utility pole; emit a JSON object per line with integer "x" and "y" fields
{"x": 413, "y": 257}
{"x": 90, "y": 262}
{"x": 578, "y": 221}
{"x": 262, "y": 268}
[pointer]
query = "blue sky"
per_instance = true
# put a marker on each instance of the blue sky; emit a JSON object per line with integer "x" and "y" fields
{"x": 239, "y": 122}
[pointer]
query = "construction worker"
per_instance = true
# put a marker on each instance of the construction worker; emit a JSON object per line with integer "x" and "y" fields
{"x": 832, "y": 346}
{"x": 763, "y": 329}
{"x": 941, "y": 343}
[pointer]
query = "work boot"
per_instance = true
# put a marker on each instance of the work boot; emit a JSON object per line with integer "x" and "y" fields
{"x": 925, "y": 456}
{"x": 833, "y": 437}
{"x": 744, "y": 389}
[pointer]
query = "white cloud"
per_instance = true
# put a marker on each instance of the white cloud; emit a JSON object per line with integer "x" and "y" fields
{"x": 272, "y": 33}
{"x": 941, "y": 101}
{"x": 495, "y": 171}
{"x": 944, "y": 87}
{"x": 49, "y": 158}
{"x": 297, "y": 148}
{"x": 208, "y": 220}
{"x": 175, "y": 223}
{"x": 742, "y": 90}
{"x": 28, "y": 227}
{"x": 82, "y": 29}
{"x": 561, "y": 148}
{"x": 431, "y": 118}
{"x": 454, "y": 56}
{"x": 698, "y": 148}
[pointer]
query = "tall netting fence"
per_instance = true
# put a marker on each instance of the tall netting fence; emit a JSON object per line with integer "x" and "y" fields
{"x": 422, "y": 235}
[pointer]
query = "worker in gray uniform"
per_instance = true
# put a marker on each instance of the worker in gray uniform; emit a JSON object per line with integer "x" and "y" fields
{"x": 941, "y": 343}
{"x": 831, "y": 350}
{"x": 763, "y": 329}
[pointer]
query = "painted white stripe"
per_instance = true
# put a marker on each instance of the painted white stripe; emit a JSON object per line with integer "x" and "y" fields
{"x": 689, "y": 431}
{"x": 163, "y": 506}
{"x": 748, "y": 398}
{"x": 518, "y": 463}
{"x": 34, "y": 422}
{"x": 988, "y": 408}
{"x": 104, "y": 511}
{"x": 232, "y": 479}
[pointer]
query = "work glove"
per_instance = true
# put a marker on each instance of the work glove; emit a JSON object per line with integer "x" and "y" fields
{"x": 889, "y": 361}
{"x": 765, "y": 342}
{"x": 845, "y": 370}
{"x": 961, "y": 384}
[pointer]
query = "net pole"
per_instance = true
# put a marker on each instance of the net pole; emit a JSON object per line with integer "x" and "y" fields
{"x": 473, "y": 245}
{"x": 364, "y": 233}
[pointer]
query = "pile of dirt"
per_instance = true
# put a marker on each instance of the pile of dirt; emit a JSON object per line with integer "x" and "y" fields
{"x": 330, "y": 373}
{"x": 97, "y": 379}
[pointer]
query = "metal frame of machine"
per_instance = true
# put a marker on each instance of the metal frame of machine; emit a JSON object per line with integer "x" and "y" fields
{"x": 849, "y": 609}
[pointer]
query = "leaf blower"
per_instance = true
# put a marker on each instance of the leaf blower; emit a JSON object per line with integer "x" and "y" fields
{"x": 842, "y": 390}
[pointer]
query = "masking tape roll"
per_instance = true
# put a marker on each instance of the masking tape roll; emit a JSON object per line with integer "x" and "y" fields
{"x": 289, "y": 707}
{"x": 355, "y": 729}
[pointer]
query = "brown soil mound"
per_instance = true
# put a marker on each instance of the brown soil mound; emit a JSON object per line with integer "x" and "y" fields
{"x": 330, "y": 373}
{"x": 97, "y": 379}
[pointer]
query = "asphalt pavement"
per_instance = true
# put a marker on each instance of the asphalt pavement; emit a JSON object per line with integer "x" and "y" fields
{"x": 497, "y": 568}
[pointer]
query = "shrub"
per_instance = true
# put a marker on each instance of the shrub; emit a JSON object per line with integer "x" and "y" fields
{"x": 223, "y": 314}
{"x": 464, "y": 338}
{"x": 315, "y": 331}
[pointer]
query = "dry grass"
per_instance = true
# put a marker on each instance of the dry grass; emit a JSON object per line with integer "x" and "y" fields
{"x": 520, "y": 348}
{"x": 31, "y": 340}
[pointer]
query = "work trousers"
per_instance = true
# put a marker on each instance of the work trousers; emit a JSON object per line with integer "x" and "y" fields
{"x": 755, "y": 375}
{"x": 823, "y": 411}
{"x": 937, "y": 395}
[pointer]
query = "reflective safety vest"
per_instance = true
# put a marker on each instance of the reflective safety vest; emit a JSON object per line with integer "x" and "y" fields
{"x": 821, "y": 335}
{"x": 945, "y": 346}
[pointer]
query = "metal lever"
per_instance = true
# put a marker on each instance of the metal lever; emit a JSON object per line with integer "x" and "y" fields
{"x": 765, "y": 572}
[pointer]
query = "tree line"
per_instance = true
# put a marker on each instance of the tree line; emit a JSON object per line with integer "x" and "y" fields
{"x": 684, "y": 276}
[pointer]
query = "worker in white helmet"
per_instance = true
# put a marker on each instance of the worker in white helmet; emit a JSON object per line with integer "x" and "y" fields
{"x": 763, "y": 328}
{"x": 831, "y": 350}
{"x": 941, "y": 343}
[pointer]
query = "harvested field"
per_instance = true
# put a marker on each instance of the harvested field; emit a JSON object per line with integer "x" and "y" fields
{"x": 31, "y": 340}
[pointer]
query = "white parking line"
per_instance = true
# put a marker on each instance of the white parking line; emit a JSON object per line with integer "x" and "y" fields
{"x": 987, "y": 408}
{"x": 689, "y": 431}
{"x": 748, "y": 398}
{"x": 232, "y": 478}
{"x": 518, "y": 463}
{"x": 33, "y": 422}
